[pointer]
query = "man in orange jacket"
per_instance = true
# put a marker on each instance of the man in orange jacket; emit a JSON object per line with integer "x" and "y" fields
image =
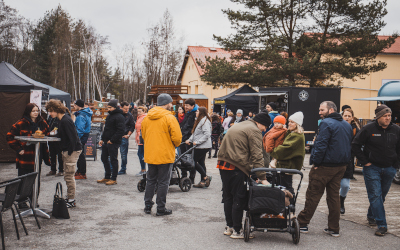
{"x": 161, "y": 134}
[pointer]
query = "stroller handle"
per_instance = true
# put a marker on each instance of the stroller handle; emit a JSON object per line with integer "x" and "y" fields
{"x": 278, "y": 170}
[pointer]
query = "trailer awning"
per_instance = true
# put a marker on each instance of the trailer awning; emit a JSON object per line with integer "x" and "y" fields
{"x": 380, "y": 98}
{"x": 263, "y": 94}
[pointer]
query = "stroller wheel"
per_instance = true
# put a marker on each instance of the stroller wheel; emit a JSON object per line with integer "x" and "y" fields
{"x": 141, "y": 186}
{"x": 185, "y": 184}
{"x": 246, "y": 230}
{"x": 296, "y": 231}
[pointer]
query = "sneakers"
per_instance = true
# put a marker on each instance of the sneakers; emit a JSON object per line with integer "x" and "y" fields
{"x": 381, "y": 231}
{"x": 140, "y": 173}
{"x": 80, "y": 177}
{"x": 59, "y": 174}
{"x": 237, "y": 235}
{"x": 371, "y": 221}
{"x": 228, "y": 231}
{"x": 208, "y": 181}
{"x": 51, "y": 173}
{"x": 331, "y": 233}
{"x": 164, "y": 212}
{"x": 103, "y": 180}
{"x": 304, "y": 229}
{"x": 200, "y": 185}
{"x": 147, "y": 209}
{"x": 70, "y": 204}
{"x": 111, "y": 182}
{"x": 121, "y": 172}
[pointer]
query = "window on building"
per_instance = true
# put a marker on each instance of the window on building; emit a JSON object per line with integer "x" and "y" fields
{"x": 196, "y": 89}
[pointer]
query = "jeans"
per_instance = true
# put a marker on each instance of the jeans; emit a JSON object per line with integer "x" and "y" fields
{"x": 82, "y": 161}
{"x": 55, "y": 155}
{"x": 110, "y": 166}
{"x": 124, "y": 153}
{"x": 140, "y": 154}
{"x": 234, "y": 196}
{"x": 69, "y": 171}
{"x": 159, "y": 175}
{"x": 344, "y": 187}
{"x": 378, "y": 181}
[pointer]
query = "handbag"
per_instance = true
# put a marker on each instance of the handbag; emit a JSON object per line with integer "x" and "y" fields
{"x": 60, "y": 210}
{"x": 187, "y": 160}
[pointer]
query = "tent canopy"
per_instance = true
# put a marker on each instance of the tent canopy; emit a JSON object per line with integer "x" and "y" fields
{"x": 11, "y": 80}
{"x": 390, "y": 91}
{"x": 234, "y": 102}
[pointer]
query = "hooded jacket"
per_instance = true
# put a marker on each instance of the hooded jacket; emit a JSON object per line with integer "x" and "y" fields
{"x": 272, "y": 115}
{"x": 332, "y": 147}
{"x": 381, "y": 146}
{"x": 292, "y": 151}
{"x": 188, "y": 123}
{"x": 161, "y": 134}
{"x": 274, "y": 138}
{"x": 83, "y": 121}
{"x": 202, "y": 134}
{"x": 138, "y": 127}
{"x": 114, "y": 127}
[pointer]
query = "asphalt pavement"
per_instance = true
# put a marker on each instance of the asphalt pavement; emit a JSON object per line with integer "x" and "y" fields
{"x": 112, "y": 217}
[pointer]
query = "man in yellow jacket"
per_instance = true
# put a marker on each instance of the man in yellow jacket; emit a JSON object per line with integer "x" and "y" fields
{"x": 161, "y": 134}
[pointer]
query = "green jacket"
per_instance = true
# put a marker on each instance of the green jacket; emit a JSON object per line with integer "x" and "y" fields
{"x": 242, "y": 147}
{"x": 291, "y": 153}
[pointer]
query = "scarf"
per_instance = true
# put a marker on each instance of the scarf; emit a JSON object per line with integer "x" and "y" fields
{"x": 238, "y": 119}
{"x": 180, "y": 117}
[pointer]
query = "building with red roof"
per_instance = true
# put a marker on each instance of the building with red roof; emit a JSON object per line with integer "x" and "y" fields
{"x": 191, "y": 72}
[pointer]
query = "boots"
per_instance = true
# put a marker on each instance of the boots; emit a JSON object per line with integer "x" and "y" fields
{"x": 342, "y": 210}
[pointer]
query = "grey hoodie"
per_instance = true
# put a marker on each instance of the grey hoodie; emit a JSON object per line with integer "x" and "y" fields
{"x": 202, "y": 134}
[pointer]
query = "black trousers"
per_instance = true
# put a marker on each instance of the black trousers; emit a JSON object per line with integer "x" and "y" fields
{"x": 81, "y": 164}
{"x": 110, "y": 150}
{"x": 22, "y": 171}
{"x": 184, "y": 148}
{"x": 199, "y": 159}
{"x": 214, "y": 141}
{"x": 55, "y": 155}
{"x": 234, "y": 196}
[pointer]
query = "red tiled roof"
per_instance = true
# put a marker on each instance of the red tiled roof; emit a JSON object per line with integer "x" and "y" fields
{"x": 394, "y": 49}
{"x": 200, "y": 53}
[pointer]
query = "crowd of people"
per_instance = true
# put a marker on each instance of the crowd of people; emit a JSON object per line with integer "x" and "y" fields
{"x": 270, "y": 139}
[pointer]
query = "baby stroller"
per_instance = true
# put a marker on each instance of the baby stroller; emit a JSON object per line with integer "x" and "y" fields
{"x": 184, "y": 161}
{"x": 266, "y": 208}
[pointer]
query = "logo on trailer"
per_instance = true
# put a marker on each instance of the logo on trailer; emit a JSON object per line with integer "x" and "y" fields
{"x": 303, "y": 95}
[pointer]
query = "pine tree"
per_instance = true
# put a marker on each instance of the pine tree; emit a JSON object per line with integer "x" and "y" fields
{"x": 300, "y": 42}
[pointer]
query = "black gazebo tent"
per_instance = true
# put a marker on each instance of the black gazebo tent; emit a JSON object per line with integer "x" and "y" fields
{"x": 235, "y": 102}
{"x": 15, "y": 90}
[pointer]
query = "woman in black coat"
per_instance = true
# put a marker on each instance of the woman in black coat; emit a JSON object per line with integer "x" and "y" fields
{"x": 348, "y": 115}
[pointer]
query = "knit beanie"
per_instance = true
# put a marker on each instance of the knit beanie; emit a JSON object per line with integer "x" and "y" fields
{"x": 164, "y": 99}
{"x": 280, "y": 119}
{"x": 382, "y": 110}
{"x": 239, "y": 111}
{"x": 272, "y": 105}
{"x": 113, "y": 103}
{"x": 80, "y": 103}
{"x": 297, "y": 118}
{"x": 263, "y": 118}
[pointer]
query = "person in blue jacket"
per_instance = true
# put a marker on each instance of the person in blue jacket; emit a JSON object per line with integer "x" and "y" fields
{"x": 329, "y": 158}
{"x": 83, "y": 123}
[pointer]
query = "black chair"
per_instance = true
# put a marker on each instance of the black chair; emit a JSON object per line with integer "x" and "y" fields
{"x": 11, "y": 189}
{"x": 25, "y": 191}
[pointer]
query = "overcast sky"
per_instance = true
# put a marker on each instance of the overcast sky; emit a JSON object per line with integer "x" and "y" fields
{"x": 125, "y": 21}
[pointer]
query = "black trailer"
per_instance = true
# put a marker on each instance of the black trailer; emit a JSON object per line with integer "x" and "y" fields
{"x": 293, "y": 99}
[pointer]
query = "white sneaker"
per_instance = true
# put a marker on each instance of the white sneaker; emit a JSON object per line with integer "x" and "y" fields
{"x": 237, "y": 235}
{"x": 228, "y": 231}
